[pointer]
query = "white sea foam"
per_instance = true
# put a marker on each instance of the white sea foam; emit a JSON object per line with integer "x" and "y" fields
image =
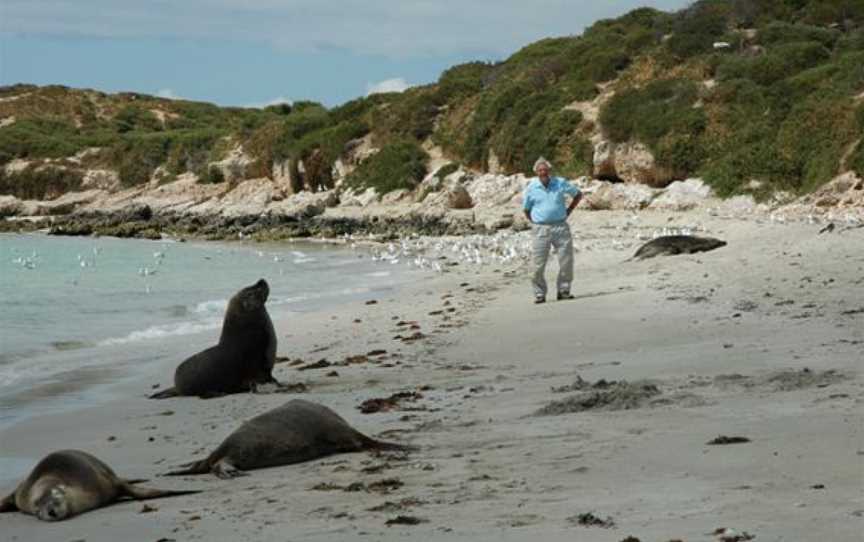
{"x": 214, "y": 306}
{"x": 169, "y": 330}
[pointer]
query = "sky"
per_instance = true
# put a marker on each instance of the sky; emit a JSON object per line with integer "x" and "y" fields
{"x": 252, "y": 53}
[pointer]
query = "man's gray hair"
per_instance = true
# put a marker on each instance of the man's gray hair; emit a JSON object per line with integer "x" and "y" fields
{"x": 541, "y": 161}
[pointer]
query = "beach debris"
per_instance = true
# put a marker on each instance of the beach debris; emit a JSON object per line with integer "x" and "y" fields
{"x": 390, "y": 506}
{"x": 745, "y": 306}
{"x": 295, "y": 387}
{"x": 393, "y": 402}
{"x": 355, "y": 360}
{"x": 827, "y": 229}
{"x": 320, "y": 364}
{"x": 588, "y": 519}
{"x": 630, "y": 539}
{"x": 416, "y": 336}
{"x": 146, "y": 509}
{"x": 817, "y": 486}
{"x": 405, "y": 520}
{"x": 376, "y": 352}
{"x": 785, "y": 380}
{"x": 387, "y": 485}
{"x": 372, "y": 302}
{"x": 725, "y": 534}
{"x": 580, "y": 384}
{"x": 723, "y": 440}
{"x": 332, "y": 374}
{"x": 620, "y": 396}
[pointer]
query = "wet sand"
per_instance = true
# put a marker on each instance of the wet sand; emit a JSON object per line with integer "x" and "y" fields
{"x": 587, "y": 419}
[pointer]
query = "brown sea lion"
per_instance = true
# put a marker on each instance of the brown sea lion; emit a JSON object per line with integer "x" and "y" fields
{"x": 677, "y": 244}
{"x": 71, "y": 482}
{"x": 297, "y": 431}
{"x": 242, "y": 360}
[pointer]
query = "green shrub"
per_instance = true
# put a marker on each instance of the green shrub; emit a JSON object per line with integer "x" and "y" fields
{"x": 133, "y": 117}
{"x": 447, "y": 169}
{"x": 41, "y": 138}
{"x": 137, "y": 157}
{"x": 462, "y": 81}
{"x": 400, "y": 164}
{"x": 39, "y": 182}
{"x": 409, "y": 114}
{"x": 213, "y": 175}
{"x": 780, "y": 32}
{"x": 695, "y": 30}
{"x": 648, "y": 114}
{"x": 781, "y": 62}
{"x": 190, "y": 151}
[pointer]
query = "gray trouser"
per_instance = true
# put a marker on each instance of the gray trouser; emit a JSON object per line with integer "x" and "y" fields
{"x": 545, "y": 237}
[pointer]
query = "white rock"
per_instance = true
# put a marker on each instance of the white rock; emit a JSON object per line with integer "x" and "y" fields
{"x": 683, "y": 195}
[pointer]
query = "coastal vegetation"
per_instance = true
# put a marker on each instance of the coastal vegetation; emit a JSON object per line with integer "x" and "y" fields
{"x": 752, "y": 96}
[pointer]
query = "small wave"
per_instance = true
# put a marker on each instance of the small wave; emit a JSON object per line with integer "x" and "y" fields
{"x": 158, "y": 332}
{"x": 303, "y": 260}
{"x": 378, "y": 274}
{"x": 69, "y": 345}
{"x": 216, "y": 306}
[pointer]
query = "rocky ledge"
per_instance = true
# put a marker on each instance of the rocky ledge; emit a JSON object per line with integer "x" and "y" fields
{"x": 459, "y": 203}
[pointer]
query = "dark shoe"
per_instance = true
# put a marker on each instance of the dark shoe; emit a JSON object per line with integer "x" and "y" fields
{"x": 539, "y": 299}
{"x": 565, "y": 295}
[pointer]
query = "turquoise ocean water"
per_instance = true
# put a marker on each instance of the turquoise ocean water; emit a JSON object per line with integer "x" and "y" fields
{"x": 78, "y": 315}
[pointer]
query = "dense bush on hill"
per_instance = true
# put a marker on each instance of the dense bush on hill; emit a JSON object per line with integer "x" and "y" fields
{"x": 780, "y": 105}
{"x": 401, "y": 164}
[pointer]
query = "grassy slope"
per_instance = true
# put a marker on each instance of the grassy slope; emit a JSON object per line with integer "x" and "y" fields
{"x": 782, "y": 105}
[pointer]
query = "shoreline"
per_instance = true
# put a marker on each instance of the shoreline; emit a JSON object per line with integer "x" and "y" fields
{"x": 724, "y": 336}
{"x": 55, "y": 378}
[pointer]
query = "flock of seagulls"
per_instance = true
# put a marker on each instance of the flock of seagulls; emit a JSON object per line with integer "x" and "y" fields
{"x": 437, "y": 253}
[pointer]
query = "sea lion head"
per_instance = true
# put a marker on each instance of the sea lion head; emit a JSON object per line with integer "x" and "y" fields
{"x": 253, "y": 297}
{"x": 53, "y": 505}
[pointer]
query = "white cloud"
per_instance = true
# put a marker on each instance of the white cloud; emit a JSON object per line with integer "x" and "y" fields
{"x": 397, "y": 84}
{"x": 168, "y": 93}
{"x": 372, "y": 27}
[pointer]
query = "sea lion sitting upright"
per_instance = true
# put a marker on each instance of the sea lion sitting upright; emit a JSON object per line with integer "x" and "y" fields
{"x": 295, "y": 432}
{"x": 677, "y": 244}
{"x": 244, "y": 356}
{"x": 70, "y": 482}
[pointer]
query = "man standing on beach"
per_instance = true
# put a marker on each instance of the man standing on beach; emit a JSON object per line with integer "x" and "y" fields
{"x": 545, "y": 209}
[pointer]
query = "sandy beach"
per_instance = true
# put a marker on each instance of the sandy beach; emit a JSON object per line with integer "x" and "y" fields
{"x": 579, "y": 420}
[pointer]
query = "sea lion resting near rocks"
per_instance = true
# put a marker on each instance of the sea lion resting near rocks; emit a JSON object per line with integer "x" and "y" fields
{"x": 70, "y": 482}
{"x": 244, "y": 356}
{"x": 677, "y": 244}
{"x": 295, "y": 432}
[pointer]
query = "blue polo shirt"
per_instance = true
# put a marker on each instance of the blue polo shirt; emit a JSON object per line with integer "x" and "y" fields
{"x": 546, "y": 204}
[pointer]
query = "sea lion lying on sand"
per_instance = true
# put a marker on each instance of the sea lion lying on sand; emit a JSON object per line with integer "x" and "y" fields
{"x": 71, "y": 482}
{"x": 677, "y": 244}
{"x": 244, "y": 356}
{"x": 297, "y": 431}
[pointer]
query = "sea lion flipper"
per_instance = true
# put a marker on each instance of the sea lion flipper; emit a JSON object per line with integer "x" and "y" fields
{"x": 142, "y": 493}
{"x": 195, "y": 467}
{"x": 384, "y": 446}
{"x": 225, "y": 470}
{"x": 8, "y": 504}
{"x": 165, "y": 394}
